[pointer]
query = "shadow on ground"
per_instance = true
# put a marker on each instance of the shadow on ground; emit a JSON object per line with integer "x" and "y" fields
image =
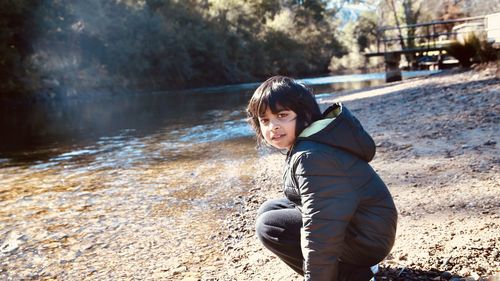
{"x": 405, "y": 273}
{"x": 409, "y": 274}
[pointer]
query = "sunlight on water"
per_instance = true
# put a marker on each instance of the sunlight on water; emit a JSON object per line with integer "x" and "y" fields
{"x": 211, "y": 133}
{"x": 69, "y": 155}
{"x": 362, "y": 77}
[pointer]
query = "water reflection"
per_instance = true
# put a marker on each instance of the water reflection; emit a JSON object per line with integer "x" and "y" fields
{"x": 41, "y": 131}
{"x": 62, "y": 128}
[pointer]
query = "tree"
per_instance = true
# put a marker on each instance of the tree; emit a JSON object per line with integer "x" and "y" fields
{"x": 62, "y": 47}
{"x": 410, "y": 16}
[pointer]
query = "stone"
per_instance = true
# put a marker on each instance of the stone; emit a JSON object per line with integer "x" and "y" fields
{"x": 490, "y": 142}
{"x": 474, "y": 275}
{"x": 179, "y": 270}
{"x": 12, "y": 242}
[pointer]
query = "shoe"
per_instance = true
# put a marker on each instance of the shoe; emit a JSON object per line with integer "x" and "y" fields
{"x": 374, "y": 269}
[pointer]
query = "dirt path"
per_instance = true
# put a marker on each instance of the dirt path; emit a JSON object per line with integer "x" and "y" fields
{"x": 437, "y": 140}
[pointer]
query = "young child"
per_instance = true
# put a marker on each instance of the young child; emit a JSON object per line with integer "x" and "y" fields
{"x": 337, "y": 218}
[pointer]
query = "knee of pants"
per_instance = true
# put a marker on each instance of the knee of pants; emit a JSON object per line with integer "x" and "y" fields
{"x": 263, "y": 230}
{"x": 270, "y": 204}
{"x": 260, "y": 227}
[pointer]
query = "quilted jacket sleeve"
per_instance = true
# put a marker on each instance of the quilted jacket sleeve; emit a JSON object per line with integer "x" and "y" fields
{"x": 328, "y": 203}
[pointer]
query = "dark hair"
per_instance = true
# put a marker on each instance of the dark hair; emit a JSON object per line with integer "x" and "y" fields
{"x": 278, "y": 93}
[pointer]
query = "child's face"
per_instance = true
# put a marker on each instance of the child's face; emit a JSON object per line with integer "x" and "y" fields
{"x": 278, "y": 129}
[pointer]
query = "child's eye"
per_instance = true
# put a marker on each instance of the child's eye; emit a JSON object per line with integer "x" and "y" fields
{"x": 264, "y": 121}
{"x": 282, "y": 115}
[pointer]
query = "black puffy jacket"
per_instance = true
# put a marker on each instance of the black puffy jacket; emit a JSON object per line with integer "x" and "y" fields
{"x": 347, "y": 211}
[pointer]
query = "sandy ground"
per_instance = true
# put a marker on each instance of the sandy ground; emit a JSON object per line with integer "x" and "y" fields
{"x": 437, "y": 150}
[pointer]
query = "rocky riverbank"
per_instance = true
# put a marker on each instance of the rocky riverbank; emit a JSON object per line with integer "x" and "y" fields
{"x": 437, "y": 140}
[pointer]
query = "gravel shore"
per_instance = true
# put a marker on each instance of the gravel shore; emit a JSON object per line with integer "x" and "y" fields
{"x": 437, "y": 141}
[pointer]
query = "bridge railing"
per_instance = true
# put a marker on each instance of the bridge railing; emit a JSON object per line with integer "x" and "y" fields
{"x": 428, "y": 41}
{"x": 427, "y": 36}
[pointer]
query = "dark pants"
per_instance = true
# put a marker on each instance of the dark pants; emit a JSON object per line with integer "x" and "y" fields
{"x": 278, "y": 228}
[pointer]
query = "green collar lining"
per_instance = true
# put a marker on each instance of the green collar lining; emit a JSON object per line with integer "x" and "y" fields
{"x": 315, "y": 127}
{"x": 321, "y": 124}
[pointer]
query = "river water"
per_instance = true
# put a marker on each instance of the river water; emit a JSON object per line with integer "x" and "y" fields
{"x": 80, "y": 180}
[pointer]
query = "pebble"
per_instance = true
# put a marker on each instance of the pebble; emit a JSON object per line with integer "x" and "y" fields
{"x": 490, "y": 142}
{"x": 475, "y": 275}
{"x": 403, "y": 257}
{"x": 12, "y": 242}
{"x": 179, "y": 270}
{"x": 464, "y": 272}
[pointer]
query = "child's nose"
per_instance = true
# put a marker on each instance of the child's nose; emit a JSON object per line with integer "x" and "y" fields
{"x": 274, "y": 124}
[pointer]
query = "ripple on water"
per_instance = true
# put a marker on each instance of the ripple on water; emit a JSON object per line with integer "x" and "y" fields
{"x": 216, "y": 132}
{"x": 82, "y": 206}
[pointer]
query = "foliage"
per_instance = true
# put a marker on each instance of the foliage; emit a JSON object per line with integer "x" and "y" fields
{"x": 14, "y": 47}
{"x": 358, "y": 37}
{"x": 473, "y": 48}
{"x": 63, "y": 46}
{"x": 485, "y": 51}
{"x": 462, "y": 52}
{"x": 365, "y": 30}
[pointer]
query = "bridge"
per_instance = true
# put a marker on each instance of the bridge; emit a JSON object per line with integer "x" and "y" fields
{"x": 427, "y": 42}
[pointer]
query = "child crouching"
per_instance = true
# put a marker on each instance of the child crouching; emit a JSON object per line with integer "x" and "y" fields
{"x": 337, "y": 218}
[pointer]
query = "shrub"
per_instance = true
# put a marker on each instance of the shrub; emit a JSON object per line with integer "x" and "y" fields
{"x": 474, "y": 48}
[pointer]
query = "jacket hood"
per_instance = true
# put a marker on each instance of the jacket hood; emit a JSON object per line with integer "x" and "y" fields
{"x": 340, "y": 129}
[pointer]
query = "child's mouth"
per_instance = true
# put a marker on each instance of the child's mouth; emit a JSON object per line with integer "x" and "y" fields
{"x": 276, "y": 137}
